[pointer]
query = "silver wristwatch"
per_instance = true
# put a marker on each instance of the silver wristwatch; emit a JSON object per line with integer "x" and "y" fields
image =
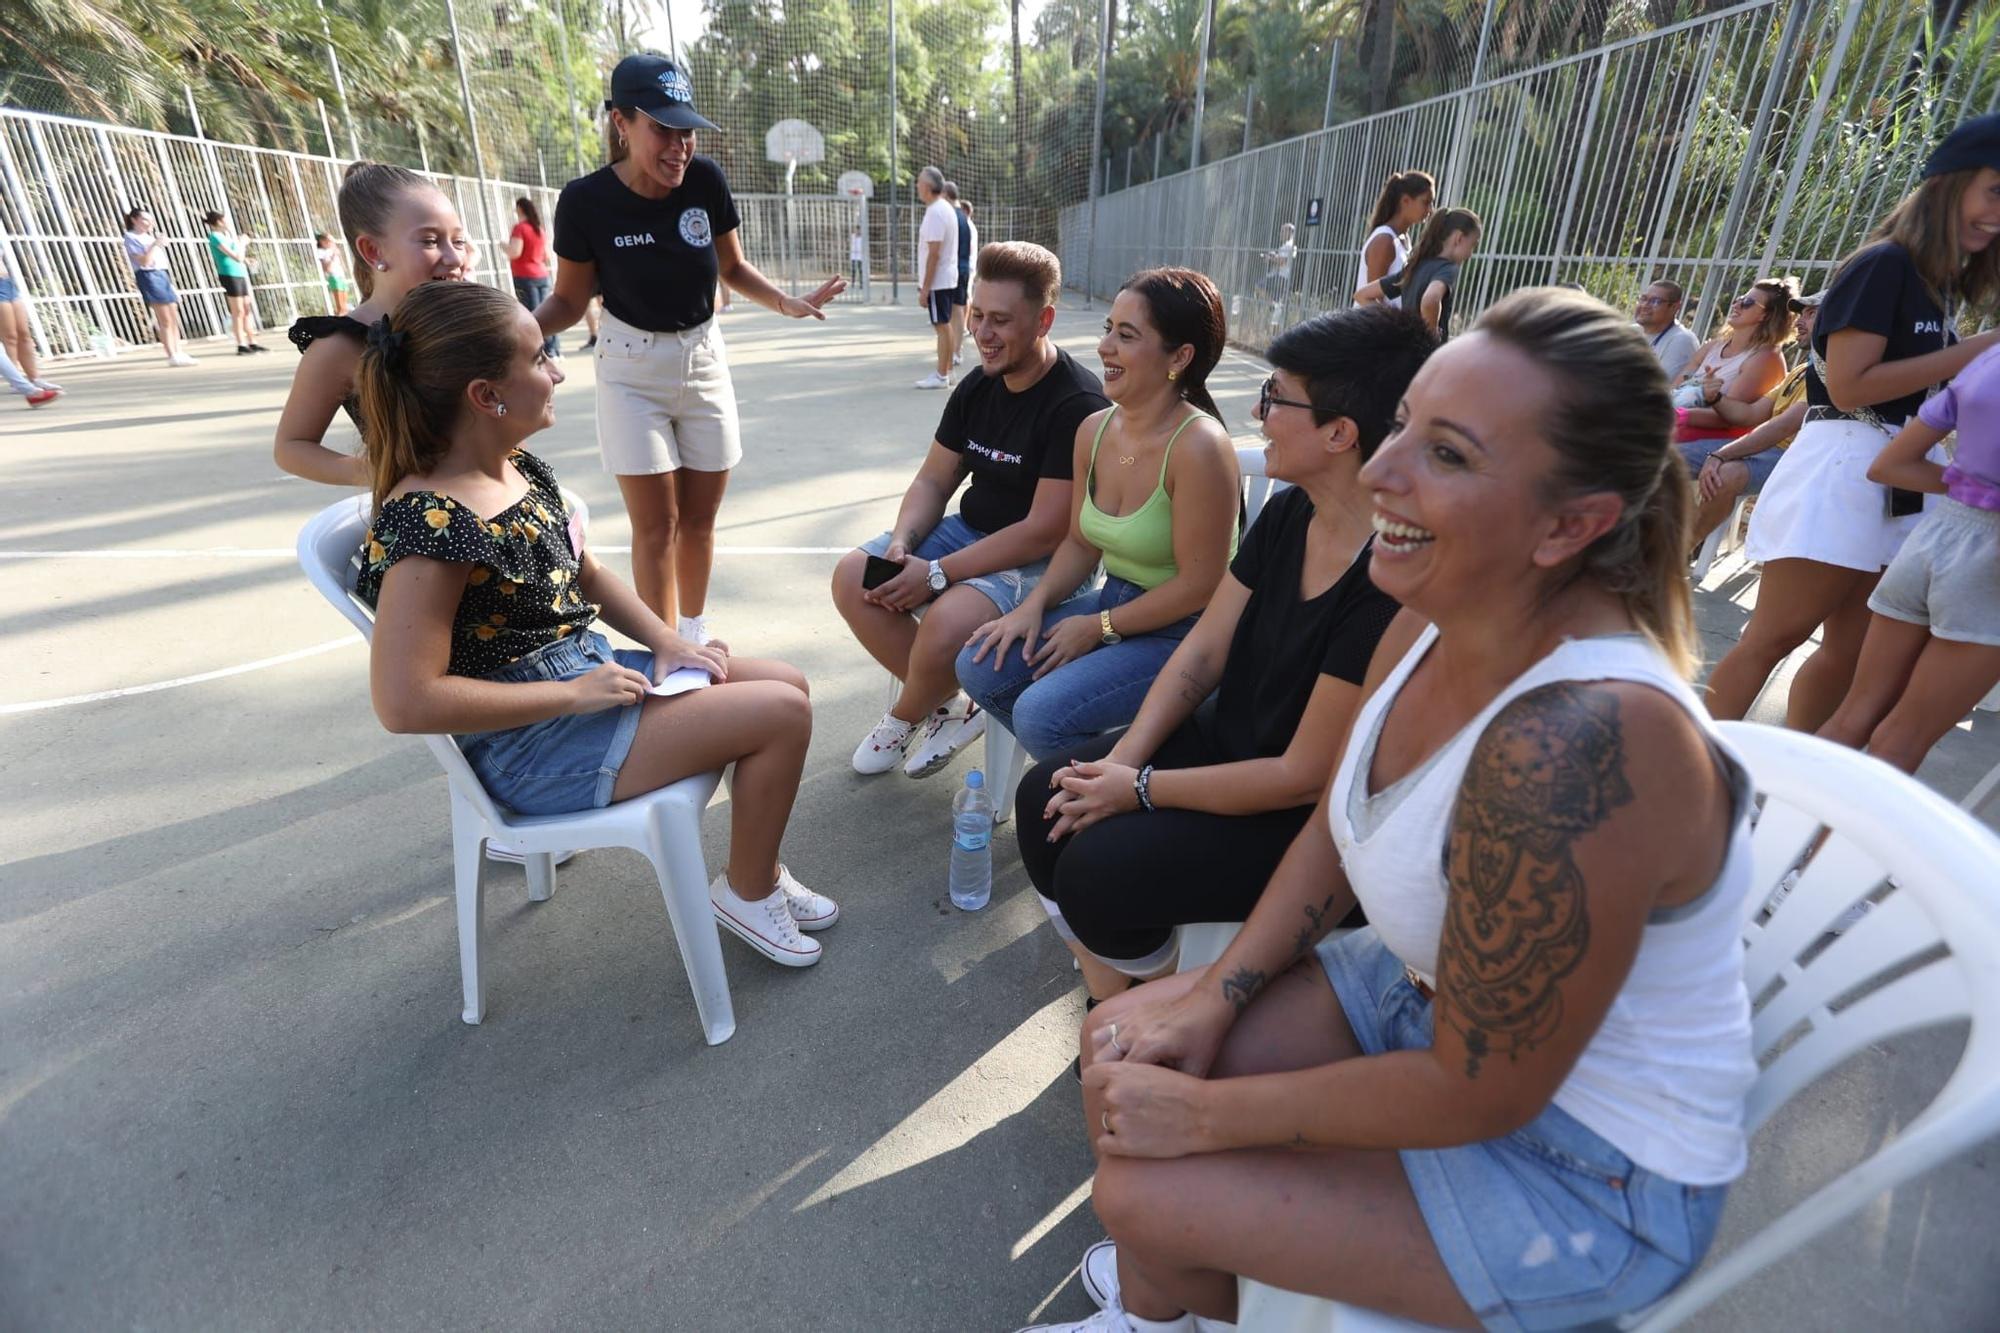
{"x": 937, "y": 579}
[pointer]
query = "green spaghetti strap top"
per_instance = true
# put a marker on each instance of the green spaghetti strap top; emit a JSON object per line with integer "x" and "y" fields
{"x": 1138, "y": 547}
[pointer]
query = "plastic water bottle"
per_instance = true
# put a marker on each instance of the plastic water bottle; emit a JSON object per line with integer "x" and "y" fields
{"x": 972, "y": 844}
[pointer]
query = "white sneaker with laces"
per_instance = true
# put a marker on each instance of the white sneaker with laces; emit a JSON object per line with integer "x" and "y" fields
{"x": 949, "y": 730}
{"x": 1112, "y": 1319}
{"x": 765, "y": 925}
{"x": 512, "y": 855}
{"x": 882, "y": 748}
{"x": 934, "y": 381}
{"x": 181, "y": 359}
{"x": 1099, "y": 1274}
{"x": 694, "y": 629}
{"x": 813, "y": 911}
{"x": 958, "y": 357}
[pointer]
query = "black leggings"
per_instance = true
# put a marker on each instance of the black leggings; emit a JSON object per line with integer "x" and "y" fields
{"x": 1125, "y": 882}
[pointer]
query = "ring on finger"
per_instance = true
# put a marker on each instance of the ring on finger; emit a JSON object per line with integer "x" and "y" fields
{"x": 1114, "y": 1040}
{"x": 1104, "y": 1119}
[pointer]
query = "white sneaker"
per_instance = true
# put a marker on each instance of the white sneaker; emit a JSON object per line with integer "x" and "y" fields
{"x": 958, "y": 357}
{"x": 881, "y": 749}
{"x": 812, "y": 911}
{"x": 765, "y": 925}
{"x": 512, "y": 855}
{"x": 1114, "y": 1320}
{"x": 1099, "y": 1274}
{"x": 934, "y": 381}
{"x": 182, "y": 359}
{"x": 49, "y": 386}
{"x": 949, "y": 730}
{"x": 694, "y": 629}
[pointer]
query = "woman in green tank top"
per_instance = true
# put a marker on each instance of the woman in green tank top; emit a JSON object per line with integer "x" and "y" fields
{"x": 1157, "y": 505}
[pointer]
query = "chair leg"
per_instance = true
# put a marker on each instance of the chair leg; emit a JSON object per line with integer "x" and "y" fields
{"x": 1710, "y": 548}
{"x": 541, "y": 868}
{"x": 1006, "y": 761}
{"x": 468, "y": 856}
{"x": 675, "y": 850}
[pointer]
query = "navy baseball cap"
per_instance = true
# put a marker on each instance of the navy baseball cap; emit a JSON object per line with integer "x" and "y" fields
{"x": 660, "y": 88}
{"x": 1976, "y": 143}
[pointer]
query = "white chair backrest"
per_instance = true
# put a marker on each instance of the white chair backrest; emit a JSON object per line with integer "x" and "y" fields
{"x": 329, "y": 546}
{"x": 1257, "y": 484}
{"x": 1927, "y": 954}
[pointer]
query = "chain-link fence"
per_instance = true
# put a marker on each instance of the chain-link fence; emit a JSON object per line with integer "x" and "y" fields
{"x": 1764, "y": 138}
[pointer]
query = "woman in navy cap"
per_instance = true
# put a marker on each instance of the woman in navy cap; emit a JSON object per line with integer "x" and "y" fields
{"x": 1885, "y": 336}
{"x": 655, "y": 229}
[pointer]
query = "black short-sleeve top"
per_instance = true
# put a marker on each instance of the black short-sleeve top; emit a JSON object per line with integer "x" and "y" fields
{"x": 1284, "y": 643}
{"x": 655, "y": 258}
{"x": 309, "y": 329}
{"x": 521, "y": 594}
{"x": 1012, "y": 441}
{"x": 1880, "y": 291}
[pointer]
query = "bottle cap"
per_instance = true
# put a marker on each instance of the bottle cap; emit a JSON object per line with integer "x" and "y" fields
{"x": 975, "y": 779}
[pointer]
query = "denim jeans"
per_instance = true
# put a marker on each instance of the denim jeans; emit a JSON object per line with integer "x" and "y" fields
{"x": 1087, "y": 696}
{"x": 531, "y": 292}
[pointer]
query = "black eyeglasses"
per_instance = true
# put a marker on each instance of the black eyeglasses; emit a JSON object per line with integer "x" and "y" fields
{"x": 1267, "y": 399}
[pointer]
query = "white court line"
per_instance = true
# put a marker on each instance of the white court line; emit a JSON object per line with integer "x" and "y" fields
{"x": 287, "y": 553}
{"x": 179, "y": 681}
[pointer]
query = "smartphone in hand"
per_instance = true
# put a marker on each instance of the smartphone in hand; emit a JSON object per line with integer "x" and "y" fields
{"x": 878, "y": 572}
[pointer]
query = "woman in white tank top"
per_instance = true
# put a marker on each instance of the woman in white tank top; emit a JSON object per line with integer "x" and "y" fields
{"x": 1747, "y": 360}
{"x": 1515, "y": 1099}
{"x": 1405, "y": 201}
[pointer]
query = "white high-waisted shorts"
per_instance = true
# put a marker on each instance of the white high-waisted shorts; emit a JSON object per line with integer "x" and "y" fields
{"x": 664, "y": 400}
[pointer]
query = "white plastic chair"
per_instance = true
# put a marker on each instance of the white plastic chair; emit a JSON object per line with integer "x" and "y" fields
{"x": 1886, "y": 834}
{"x": 663, "y": 825}
{"x": 1258, "y": 487}
{"x": 1731, "y": 530}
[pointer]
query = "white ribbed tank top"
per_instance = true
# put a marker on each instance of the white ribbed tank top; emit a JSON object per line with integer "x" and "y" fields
{"x": 1664, "y": 1078}
{"x": 1395, "y": 265}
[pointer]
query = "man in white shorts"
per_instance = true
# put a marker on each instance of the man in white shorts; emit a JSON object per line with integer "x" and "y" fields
{"x": 1010, "y": 426}
{"x": 937, "y": 269}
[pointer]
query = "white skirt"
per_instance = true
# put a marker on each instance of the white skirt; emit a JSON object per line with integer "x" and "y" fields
{"x": 1820, "y": 505}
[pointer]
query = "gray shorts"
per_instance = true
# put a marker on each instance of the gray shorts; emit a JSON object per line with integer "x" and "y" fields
{"x": 1947, "y": 575}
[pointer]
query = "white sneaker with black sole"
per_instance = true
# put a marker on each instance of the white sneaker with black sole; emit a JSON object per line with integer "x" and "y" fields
{"x": 949, "y": 730}
{"x": 882, "y": 748}
{"x": 766, "y": 925}
{"x": 812, "y": 911}
{"x": 1099, "y": 1275}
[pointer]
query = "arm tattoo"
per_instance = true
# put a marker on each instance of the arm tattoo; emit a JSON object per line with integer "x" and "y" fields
{"x": 1549, "y": 769}
{"x": 1193, "y": 688}
{"x": 1241, "y": 986}
{"x": 1315, "y": 926}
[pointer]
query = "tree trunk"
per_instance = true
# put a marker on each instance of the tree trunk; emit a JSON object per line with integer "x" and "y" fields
{"x": 1381, "y": 30}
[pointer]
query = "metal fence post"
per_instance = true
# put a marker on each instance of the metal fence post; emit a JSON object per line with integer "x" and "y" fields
{"x": 68, "y": 220}
{"x": 1201, "y": 82}
{"x": 1810, "y": 134}
{"x": 471, "y": 120}
{"x": 340, "y": 84}
{"x": 569, "y": 87}
{"x": 1457, "y": 155}
{"x": 1332, "y": 77}
{"x": 1760, "y": 130}
{"x": 895, "y": 178}
{"x": 1576, "y": 172}
{"x": 1096, "y": 149}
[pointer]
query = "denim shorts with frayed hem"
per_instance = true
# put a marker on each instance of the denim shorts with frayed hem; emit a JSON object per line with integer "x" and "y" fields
{"x": 1005, "y": 588}
{"x": 1549, "y": 1227}
{"x": 567, "y": 763}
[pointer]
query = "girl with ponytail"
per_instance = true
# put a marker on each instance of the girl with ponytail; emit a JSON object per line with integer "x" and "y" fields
{"x": 485, "y": 600}
{"x": 1156, "y": 501}
{"x": 1405, "y": 201}
{"x": 1550, "y": 840}
{"x": 402, "y": 232}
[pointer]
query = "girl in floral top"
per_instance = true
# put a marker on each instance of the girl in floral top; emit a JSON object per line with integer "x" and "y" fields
{"x": 485, "y": 605}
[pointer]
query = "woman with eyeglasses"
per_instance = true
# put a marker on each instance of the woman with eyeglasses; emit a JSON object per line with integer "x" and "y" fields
{"x": 655, "y": 231}
{"x": 1184, "y": 815}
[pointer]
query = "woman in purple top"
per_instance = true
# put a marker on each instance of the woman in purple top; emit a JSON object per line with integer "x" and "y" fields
{"x": 1933, "y": 646}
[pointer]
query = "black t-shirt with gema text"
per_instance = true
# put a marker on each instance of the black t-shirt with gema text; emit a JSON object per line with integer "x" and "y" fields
{"x": 655, "y": 258}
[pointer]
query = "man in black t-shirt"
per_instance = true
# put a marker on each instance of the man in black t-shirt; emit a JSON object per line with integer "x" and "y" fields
{"x": 1010, "y": 427}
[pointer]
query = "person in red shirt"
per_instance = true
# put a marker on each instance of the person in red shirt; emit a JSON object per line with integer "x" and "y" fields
{"x": 528, "y": 258}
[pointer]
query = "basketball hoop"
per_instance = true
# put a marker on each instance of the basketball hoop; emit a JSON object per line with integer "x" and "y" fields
{"x": 855, "y": 184}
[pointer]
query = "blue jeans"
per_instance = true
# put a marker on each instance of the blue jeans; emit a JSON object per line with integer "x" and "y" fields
{"x": 531, "y": 292}
{"x": 1088, "y": 696}
{"x": 1005, "y": 588}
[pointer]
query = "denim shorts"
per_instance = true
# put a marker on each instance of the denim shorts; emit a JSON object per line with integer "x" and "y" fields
{"x": 9, "y": 291}
{"x": 1088, "y": 696}
{"x": 1005, "y": 588}
{"x": 566, "y": 763}
{"x": 155, "y": 287}
{"x": 1549, "y": 1227}
{"x": 1760, "y": 465}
